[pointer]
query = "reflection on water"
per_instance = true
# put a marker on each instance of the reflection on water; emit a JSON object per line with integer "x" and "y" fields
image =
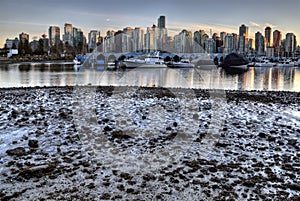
{"x": 62, "y": 74}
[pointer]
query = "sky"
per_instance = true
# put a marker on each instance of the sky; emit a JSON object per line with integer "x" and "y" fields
{"x": 34, "y": 16}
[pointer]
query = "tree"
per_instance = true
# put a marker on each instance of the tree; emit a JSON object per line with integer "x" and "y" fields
{"x": 70, "y": 50}
{"x": 40, "y": 48}
{"x": 27, "y": 47}
{"x": 14, "y": 46}
{"x": 21, "y": 48}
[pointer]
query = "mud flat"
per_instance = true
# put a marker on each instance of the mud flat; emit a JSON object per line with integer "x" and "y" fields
{"x": 136, "y": 143}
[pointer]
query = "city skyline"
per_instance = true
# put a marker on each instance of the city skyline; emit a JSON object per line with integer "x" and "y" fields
{"x": 190, "y": 15}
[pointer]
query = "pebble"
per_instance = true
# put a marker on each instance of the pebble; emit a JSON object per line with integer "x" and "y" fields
{"x": 55, "y": 160}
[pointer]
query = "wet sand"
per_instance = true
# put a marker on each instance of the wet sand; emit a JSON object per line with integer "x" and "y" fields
{"x": 137, "y": 143}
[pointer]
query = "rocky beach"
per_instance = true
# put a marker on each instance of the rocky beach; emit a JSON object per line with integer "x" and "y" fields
{"x": 143, "y": 143}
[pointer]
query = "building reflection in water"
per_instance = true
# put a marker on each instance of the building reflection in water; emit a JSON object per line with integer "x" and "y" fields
{"x": 33, "y": 74}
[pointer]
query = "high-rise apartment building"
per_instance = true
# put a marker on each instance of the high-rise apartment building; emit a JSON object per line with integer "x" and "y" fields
{"x": 93, "y": 38}
{"x": 243, "y": 39}
{"x": 229, "y": 43}
{"x": 150, "y": 42}
{"x": 161, "y": 22}
{"x": 68, "y": 34}
{"x": 54, "y": 35}
{"x": 268, "y": 32}
{"x": 290, "y": 44}
{"x": 138, "y": 39}
{"x": 259, "y": 44}
{"x": 210, "y": 45}
{"x": 197, "y": 47}
{"x": 184, "y": 41}
{"x": 277, "y": 37}
{"x": 127, "y": 39}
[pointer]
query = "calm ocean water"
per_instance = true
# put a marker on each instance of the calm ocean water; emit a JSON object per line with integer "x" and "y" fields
{"x": 62, "y": 74}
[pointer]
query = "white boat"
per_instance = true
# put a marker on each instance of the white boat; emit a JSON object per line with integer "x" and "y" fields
{"x": 239, "y": 67}
{"x": 183, "y": 63}
{"x": 111, "y": 66}
{"x": 206, "y": 64}
{"x": 286, "y": 63}
{"x": 264, "y": 63}
{"x": 151, "y": 61}
{"x": 78, "y": 60}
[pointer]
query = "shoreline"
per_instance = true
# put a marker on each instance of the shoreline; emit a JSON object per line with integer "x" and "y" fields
{"x": 16, "y": 61}
{"x": 118, "y": 143}
{"x": 253, "y": 95}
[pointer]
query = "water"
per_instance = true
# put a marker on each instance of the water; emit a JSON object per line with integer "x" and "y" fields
{"x": 63, "y": 73}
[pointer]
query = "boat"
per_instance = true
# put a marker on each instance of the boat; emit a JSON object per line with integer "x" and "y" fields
{"x": 264, "y": 63}
{"x": 286, "y": 63}
{"x": 183, "y": 63}
{"x": 234, "y": 61}
{"x": 152, "y": 61}
{"x": 204, "y": 62}
{"x": 78, "y": 60}
{"x": 112, "y": 65}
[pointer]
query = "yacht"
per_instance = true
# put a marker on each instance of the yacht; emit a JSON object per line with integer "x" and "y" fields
{"x": 264, "y": 63}
{"x": 151, "y": 61}
{"x": 183, "y": 63}
{"x": 286, "y": 63}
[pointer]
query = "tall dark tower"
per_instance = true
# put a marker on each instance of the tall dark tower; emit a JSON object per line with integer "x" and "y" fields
{"x": 161, "y": 22}
{"x": 268, "y": 31}
{"x": 243, "y": 39}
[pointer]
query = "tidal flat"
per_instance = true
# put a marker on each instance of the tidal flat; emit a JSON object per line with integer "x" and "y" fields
{"x": 144, "y": 143}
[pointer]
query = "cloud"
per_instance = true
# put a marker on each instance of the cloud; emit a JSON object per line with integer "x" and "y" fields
{"x": 270, "y": 25}
{"x": 254, "y": 24}
{"x": 175, "y": 28}
{"x": 22, "y": 23}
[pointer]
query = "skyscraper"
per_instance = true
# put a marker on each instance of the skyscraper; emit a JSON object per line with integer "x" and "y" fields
{"x": 290, "y": 44}
{"x": 138, "y": 39}
{"x": 197, "y": 42}
{"x": 243, "y": 39}
{"x": 276, "y": 38}
{"x": 93, "y": 37}
{"x": 183, "y": 42}
{"x": 229, "y": 43}
{"x": 54, "y": 35}
{"x": 68, "y": 34}
{"x": 268, "y": 31}
{"x": 259, "y": 44}
{"x": 150, "y": 42}
{"x": 277, "y": 42}
{"x": 161, "y": 22}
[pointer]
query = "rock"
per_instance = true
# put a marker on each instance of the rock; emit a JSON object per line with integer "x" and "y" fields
{"x": 262, "y": 135}
{"x": 292, "y": 142}
{"x": 37, "y": 171}
{"x": 120, "y": 135}
{"x": 295, "y": 187}
{"x": 149, "y": 176}
{"x": 220, "y": 144}
{"x": 105, "y": 196}
{"x": 33, "y": 143}
{"x": 107, "y": 129}
{"x": 19, "y": 151}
